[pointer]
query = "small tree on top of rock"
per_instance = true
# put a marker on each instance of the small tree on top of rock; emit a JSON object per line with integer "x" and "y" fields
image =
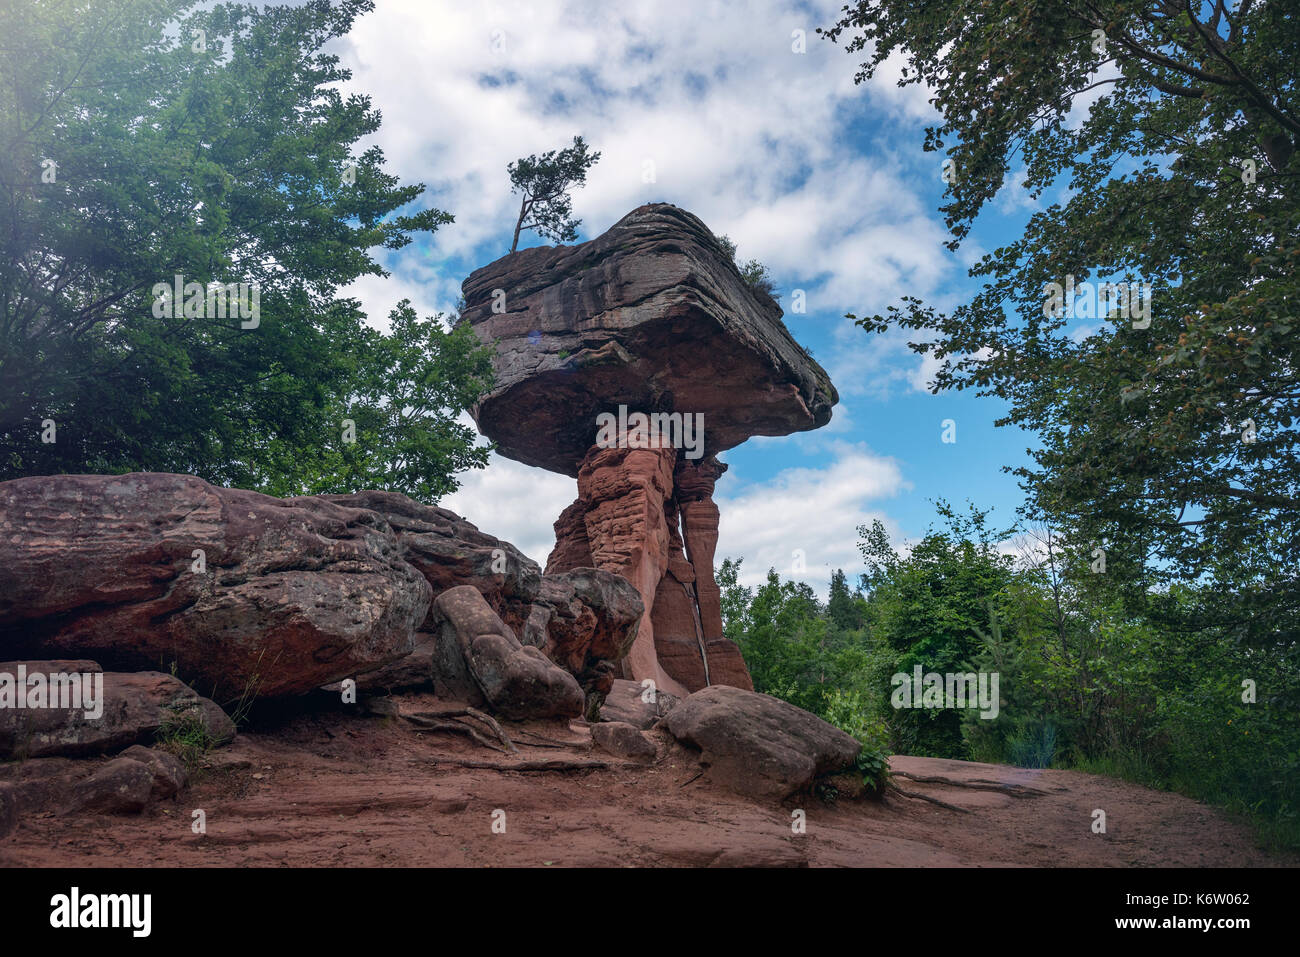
{"x": 545, "y": 182}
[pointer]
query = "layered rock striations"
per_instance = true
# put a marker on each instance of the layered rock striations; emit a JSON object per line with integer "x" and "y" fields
{"x": 253, "y": 596}
{"x": 629, "y": 362}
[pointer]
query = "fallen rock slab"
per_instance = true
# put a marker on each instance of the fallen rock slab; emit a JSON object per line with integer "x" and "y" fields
{"x": 757, "y": 745}
{"x": 242, "y": 592}
{"x": 122, "y": 709}
{"x": 633, "y": 704}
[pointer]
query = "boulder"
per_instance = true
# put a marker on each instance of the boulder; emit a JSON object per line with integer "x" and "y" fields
{"x": 122, "y": 786}
{"x": 476, "y": 651}
{"x": 757, "y": 745}
{"x": 169, "y": 776}
{"x": 625, "y": 703}
{"x": 652, "y": 314}
{"x": 132, "y": 708}
{"x": 623, "y": 741}
{"x": 241, "y": 592}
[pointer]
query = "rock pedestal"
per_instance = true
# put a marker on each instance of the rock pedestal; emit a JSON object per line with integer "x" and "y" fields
{"x": 651, "y": 318}
{"x": 648, "y": 515}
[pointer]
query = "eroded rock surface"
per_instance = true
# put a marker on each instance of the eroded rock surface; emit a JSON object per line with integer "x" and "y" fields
{"x": 477, "y": 652}
{"x": 240, "y": 591}
{"x": 652, "y": 314}
{"x": 650, "y": 319}
{"x": 253, "y": 596}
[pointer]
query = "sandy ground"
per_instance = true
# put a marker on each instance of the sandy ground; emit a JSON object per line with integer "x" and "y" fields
{"x": 334, "y": 790}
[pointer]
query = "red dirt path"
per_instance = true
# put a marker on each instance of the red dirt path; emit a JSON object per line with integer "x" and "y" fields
{"x": 337, "y": 790}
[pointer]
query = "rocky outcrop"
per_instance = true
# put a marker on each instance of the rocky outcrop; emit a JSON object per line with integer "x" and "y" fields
{"x": 254, "y": 596}
{"x": 650, "y": 517}
{"x": 649, "y": 326}
{"x": 449, "y": 551}
{"x": 583, "y": 618}
{"x": 239, "y": 591}
{"x": 757, "y": 745}
{"x": 125, "y": 784}
{"x": 83, "y": 711}
{"x": 586, "y": 620}
{"x": 623, "y": 492}
{"x": 478, "y": 657}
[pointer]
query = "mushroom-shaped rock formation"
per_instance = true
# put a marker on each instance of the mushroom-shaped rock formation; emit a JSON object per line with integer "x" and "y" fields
{"x": 629, "y": 362}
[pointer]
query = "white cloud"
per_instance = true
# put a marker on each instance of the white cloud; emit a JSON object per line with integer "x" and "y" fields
{"x": 813, "y": 510}
{"x": 514, "y": 502}
{"x": 741, "y": 130}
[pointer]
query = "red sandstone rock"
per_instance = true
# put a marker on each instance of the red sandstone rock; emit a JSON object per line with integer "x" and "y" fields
{"x": 133, "y": 707}
{"x": 758, "y": 745}
{"x": 625, "y": 490}
{"x": 652, "y": 314}
{"x": 477, "y": 651}
{"x": 651, "y": 318}
{"x": 291, "y": 594}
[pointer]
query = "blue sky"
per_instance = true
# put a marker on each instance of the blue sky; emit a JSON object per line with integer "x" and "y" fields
{"x": 823, "y": 181}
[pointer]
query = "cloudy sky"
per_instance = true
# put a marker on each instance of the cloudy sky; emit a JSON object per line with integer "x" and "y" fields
{"x": 745, "y": 117}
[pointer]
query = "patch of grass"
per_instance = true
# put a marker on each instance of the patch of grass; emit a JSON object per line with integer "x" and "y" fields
{"x": 184, "y": 734}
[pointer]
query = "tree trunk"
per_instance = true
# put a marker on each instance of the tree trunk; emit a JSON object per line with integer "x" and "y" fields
{"x": 519, "y": 223}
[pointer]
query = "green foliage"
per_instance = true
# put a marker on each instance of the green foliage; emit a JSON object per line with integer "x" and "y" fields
{"x": 753, "y": 272}
{"x": 797, "y": 650}
{"x": 1183, "y": 175}
{"x": 544, "y": 183}
{"x": 184, "y": 735}
{"x": 220, "y": 156}
{"x": 406, "y": 390}
{"x": 927, "y": 608}
{"x": 851, "y": 713}
{"x": 1084, "y": 681}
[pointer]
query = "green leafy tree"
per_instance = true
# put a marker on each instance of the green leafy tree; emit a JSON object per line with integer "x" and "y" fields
{"x": 408, "y": 387}
{"x": 544, "y": 183}
{"x": 927, "y": 608}
{"x": 1171, "y": 441}
{"x": 142, "y": 140}
{"x": 845, "y": 609}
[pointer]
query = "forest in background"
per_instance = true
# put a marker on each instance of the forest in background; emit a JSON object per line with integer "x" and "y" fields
{"x": 1091, "y": 677}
